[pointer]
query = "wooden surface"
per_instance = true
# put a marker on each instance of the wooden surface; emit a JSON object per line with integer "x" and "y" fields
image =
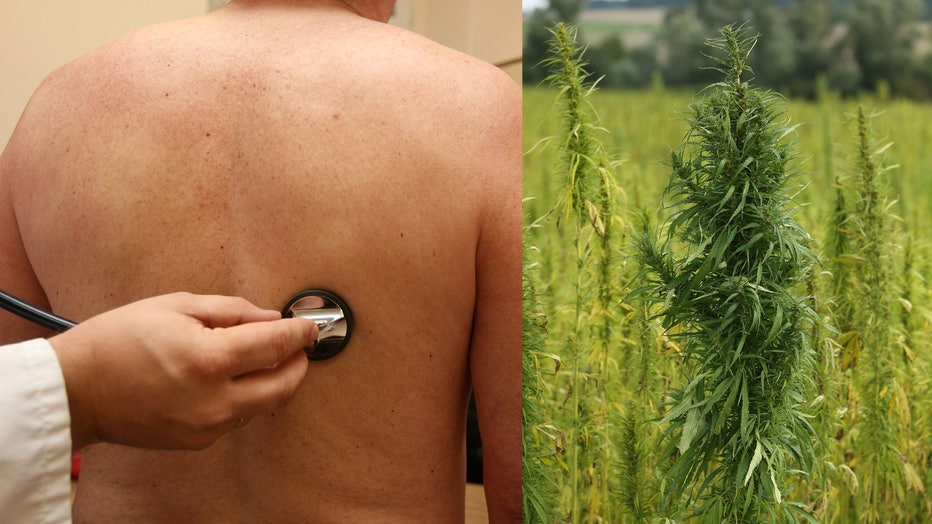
{"x": 476, "y": 512}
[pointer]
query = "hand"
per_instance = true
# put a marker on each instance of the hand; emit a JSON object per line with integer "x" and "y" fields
{"x": 178, "y": 371}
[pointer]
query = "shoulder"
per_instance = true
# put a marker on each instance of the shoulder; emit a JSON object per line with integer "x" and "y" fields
{"x": 86, "y": 83}
{"x": 127, "y": 60}
{"x": 469, "y": 97}
{"x": 471, "y": 79}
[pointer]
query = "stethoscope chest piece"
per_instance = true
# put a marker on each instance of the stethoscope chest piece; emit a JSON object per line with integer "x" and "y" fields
{"x": 332, "y": 316}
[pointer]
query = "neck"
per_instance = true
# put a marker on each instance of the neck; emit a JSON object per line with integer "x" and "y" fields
{"x": 378, "y": 10}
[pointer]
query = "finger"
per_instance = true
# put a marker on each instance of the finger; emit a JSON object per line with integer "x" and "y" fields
{"x": 255, "y": 346}
{"x": 222, "y": 311}
{"x": 263, "y": 391}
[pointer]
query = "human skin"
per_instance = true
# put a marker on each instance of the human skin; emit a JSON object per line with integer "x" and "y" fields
{"x": 178, "y": 371}
{"x": 263, "y": 149}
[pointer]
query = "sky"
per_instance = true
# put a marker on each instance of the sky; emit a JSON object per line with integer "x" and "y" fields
{"x": 530, "y": 5}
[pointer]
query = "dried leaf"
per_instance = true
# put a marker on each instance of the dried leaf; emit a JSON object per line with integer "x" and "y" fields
{"x": 755, "y": 460}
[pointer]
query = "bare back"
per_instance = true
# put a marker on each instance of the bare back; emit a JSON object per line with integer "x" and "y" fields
{"x": 260, "y": 152}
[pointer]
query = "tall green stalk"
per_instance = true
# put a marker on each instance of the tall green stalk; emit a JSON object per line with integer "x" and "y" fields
{"x": 542, "y": 440}
{"x": 636, "y": 486}
{"x": 880, "y": 470}
{"x": 727, "y": 274}
{"x": 587, "y": 206}
{"x": 839, "y": 365}
{"x": 870, "y": 298}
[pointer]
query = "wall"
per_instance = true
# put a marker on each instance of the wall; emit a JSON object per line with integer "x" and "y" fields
{"x": 36, "y": 36}
{"x": 486, "y": 29}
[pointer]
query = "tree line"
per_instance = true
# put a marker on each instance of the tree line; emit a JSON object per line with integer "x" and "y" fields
{"x": 806, "y": 47}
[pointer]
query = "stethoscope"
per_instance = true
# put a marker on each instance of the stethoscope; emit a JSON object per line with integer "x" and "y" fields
{"x": 331, "y": 314}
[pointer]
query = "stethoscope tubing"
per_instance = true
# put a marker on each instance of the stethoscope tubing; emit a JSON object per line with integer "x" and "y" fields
{"x": 60, "y": 324}
{"x": 34, "y": 314}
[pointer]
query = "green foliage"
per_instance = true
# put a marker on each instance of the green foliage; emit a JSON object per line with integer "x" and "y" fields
{"x": 635, "y": 490}
{"x": 719, "y": 13}
{"x": 567, "y": 11}
{"x": 685, "y": 34}
{"x": 729, "y": 295}
{"x": 586, "y": 206}
{"x": 867, "y": 297}
{"x": 882, "y": 36}
{"x": 850, "y": 46}
{"x": 536, "y": 46}
{"x": 810, "y": 22}
{"x": 586, "y": 197}
{"x": 542, "y": 441}
{"x": 643, "y": 362}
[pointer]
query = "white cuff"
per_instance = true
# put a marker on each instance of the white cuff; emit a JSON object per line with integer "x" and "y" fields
{"x": 35, "y": 435}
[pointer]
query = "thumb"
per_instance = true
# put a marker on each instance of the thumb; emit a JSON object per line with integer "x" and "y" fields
{"x": 259, "y": 345}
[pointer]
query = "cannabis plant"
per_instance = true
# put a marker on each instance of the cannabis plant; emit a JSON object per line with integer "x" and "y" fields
{"x": 866, "y": 305}
{"x": 542, "y": 440}
{"x": 586, "y": 207}
{"x": 726, "y": 275}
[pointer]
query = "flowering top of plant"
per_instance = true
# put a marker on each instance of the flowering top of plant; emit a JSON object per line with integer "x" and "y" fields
{"x": 726, "y": 273}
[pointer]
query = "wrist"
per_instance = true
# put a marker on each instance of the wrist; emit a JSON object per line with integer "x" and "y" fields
{"x": 73, "y": 357}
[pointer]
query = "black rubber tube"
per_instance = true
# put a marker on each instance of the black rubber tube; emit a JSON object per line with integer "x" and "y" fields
{"x": 34, "y": 314}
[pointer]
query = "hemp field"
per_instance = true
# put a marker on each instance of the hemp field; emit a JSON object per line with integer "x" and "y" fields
{"x": 602, "y": 451}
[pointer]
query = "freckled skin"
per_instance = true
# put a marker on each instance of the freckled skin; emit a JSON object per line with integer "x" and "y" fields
{"x": 264, "y": 149}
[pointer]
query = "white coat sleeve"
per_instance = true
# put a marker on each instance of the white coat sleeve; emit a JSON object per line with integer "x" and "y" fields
{"x": 35, "y": 436}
